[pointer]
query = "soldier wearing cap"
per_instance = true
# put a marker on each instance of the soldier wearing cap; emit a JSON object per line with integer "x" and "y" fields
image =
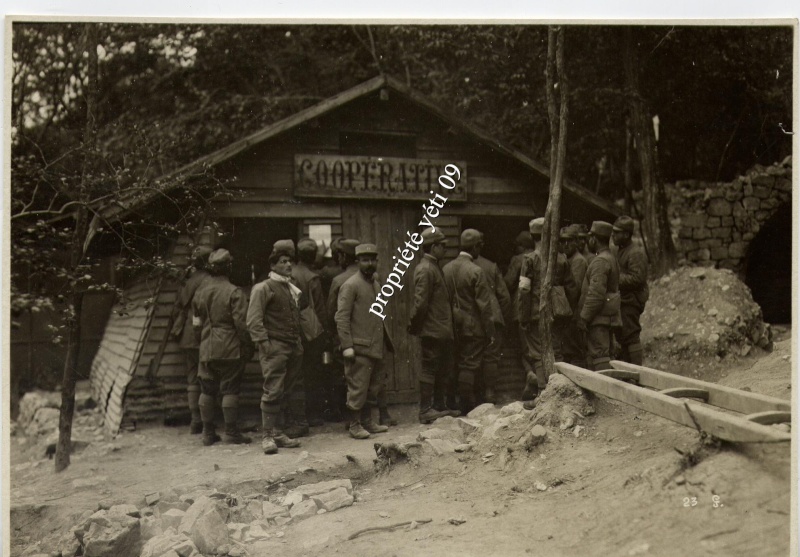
{"x": 432, "y": 321}
{"x": 347, "y": 261}
{"x": 311, "y": 320}
{"x": 363, "y": 336}
{"x": 600, "y": 300}
{"x": 633, "y": 289}
{"x": 582, "y": 243}
{"x": 528, "y": 298}
{"x": 574, "y": 343}
{"x": 273, "y": 319}
{"x": 501, "y": 310}
{"x": 220, "y": 309}
{"x": 470, "y": 297}
{"x": 183, "y": 333}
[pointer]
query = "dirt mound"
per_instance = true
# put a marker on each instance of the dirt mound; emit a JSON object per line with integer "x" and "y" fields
{"x": 701, "y": 315}
{"x": 561, "y": 404}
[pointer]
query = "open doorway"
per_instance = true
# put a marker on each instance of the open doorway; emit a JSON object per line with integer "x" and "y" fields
{"x": 250, "y": 242}
{"x": 768, "y": 268}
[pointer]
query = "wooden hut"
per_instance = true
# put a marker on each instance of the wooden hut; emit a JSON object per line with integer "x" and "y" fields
{"x": 361, "y": 165}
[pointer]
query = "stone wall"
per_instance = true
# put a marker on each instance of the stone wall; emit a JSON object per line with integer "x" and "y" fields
{"x": 713, "y": 223}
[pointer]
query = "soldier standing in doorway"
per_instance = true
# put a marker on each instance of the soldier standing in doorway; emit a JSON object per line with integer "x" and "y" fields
{"x": 633, "y": 289}
{"x": 432, "y": 321}
{"x": 600, "y": 299}
{"x": 273, "y": 319}
{"x": 363, "y": 336}
{"x": 472, "y": 315}
{"x": 183, "y": 332}
{"x": 220, "y": 309}
{"x": 501, "y": 303}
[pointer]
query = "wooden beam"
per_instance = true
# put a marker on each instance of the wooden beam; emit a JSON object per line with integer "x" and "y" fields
{"x": 769, "y": 418}
{"x": 686, "y": 392}
{"x": 281, "y": 210}
{"x": 713, "y": 422}
{"x": 620, "y": 374}
{"x": 718, "y": 395}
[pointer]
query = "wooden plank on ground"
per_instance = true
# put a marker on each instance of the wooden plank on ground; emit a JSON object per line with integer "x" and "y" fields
{"x": 721, "y": 425}
{"x": 718, "y": 395}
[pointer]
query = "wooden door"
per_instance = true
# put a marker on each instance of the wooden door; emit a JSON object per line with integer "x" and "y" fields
{"x": 385, "y": 225}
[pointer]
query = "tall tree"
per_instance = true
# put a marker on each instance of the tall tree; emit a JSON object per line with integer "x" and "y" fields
{"x": 654, "y": 218}
{"x": 558, "y": 113}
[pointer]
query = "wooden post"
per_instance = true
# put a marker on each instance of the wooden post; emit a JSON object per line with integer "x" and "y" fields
{"x": 552, "y": 215}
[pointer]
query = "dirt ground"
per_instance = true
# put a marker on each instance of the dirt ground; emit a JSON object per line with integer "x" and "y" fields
{"x": 620, "y": 488}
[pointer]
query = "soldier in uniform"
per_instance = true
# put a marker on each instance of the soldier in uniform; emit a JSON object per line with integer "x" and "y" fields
{"x": 583, "y": 239}
{"x": 363, "y": 336}
{"x": 219, "y": 310}
{"x": 472, "y": 315}
{"x": 574, "y": 343}
{"x": 349, "y": 266}
{"x": 600, "y": 299}
{"x": 529, "y": 292}
{"x": 183, "y": 333}
{"x": 273, "y": 319}
{"x": 524, "y": 245}
{"x": 501, "y": 303}
{"x": 309, "y": 282}
{"x": 432, "y": 321}
{"x": 331, "y": 268}
{"x": 633, "y": 289}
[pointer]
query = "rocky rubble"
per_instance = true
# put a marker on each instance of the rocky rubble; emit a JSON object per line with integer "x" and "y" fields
{"x": 701, "y": 313}
{"x": 560, "y": 409}
{"x": 202, "y": 523}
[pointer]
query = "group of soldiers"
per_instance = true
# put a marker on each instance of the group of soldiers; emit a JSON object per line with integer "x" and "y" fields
{"x": 460, "y": 311}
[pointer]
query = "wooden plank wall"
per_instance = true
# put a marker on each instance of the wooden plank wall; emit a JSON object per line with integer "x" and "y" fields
{"x": 119, "y": 351}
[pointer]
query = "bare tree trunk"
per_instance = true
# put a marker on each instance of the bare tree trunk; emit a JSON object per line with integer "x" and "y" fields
{"x": 655, "y": 222}
{"x": 64, "y": 445}
{"x": 552, "y": 215}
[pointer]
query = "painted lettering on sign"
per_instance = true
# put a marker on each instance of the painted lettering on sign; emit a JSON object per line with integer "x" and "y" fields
{"x": 371, "y": 177}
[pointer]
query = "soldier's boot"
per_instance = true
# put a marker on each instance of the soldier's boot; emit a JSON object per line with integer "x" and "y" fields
{"x": 230, "y": 411}
{"x": 354, "y": 426}
{"x": 451, "y": 404}
{"x": 280, "y": 437}
{"x": 440, "y": 405}
{"x": 368, "y": 424}
{"x": 193, "y": 398}
{"x": 206, "y": 403}
{"x": 385, "y": 419}
{"x": 268, "y": 422}
{"x": 296, "y": 424}
{"x": 531, "y": 387}
{"x": 635, "y": 354}
{"x": 467, "y": 398}
{"x": 490, "y": 378}
{"x": 427, "y": 412}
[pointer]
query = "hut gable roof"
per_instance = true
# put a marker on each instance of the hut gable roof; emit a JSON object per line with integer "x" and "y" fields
{"x": 123, "y": 205}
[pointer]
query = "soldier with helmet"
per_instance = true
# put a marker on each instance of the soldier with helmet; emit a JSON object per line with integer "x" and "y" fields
{"x": 183, "y": 332}
{"x": 600, "y": 298}
{"x": 219, "y": 320}
{"x": 633, "y": 289}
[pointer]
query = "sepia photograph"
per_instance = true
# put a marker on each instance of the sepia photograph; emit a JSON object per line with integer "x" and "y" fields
{"x": 398, "y": 288}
